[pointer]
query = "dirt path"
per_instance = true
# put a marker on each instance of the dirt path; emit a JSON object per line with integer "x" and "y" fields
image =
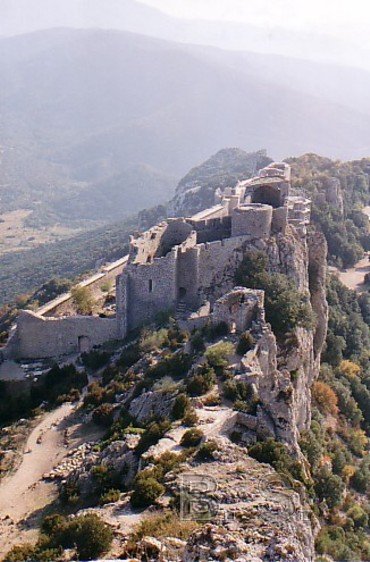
{"x": 353, "y": 278}
{"x": 24, "y": 495}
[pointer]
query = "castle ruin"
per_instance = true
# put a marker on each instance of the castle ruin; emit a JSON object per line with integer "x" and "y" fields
{"x": 178, "y": 266}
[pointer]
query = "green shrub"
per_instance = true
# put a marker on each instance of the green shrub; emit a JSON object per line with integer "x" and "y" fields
{"x": 274, "y": 453}
{"x": 359, "y": 516}
{"x": 213, "y": 332}
{"x": 329, "y": 487}
{"x": 146, "y": 491}
{"x": 129, "y": 356}
{"x": 176, "y": 336}
{"x": 201, "y": 381}
{"x": 95, "y": 395}
{"x": 180, "y": 407}
{"x": 103, "y": 415}
{"x": 360, "y": 481}
{"x": 21, "y": 553}
{"x": 197, "y": 342}
{"x": 237, "y": 390}
{"x": 190, "y": 418}
{"x": 163, "y": 525}
{"x": 286, "y": 307}
{"x": 331, "y": 540}
{"x": 311, "y": 447}
{"x": 245, "y": 344}
{"x": 95, "y": 359}
{"x": 175, "y": 366}
{"x": 69, "y": 493}
{"x": 167, "y": 462}
{"x": 83, "y": 300}
{"x": 153, "y": 433}
{"x": 246, "y": 407}
{"x": 89, "y": 534}
{"x": 217, "y": 354}
{"x": 111, "y": 496}
{"x": 192, "y": 437}
{"x": 153, "y": 340}
{"x": 207, "y": 450}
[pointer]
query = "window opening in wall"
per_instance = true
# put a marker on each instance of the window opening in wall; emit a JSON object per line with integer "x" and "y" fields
{"x": 150, "y": 285}
{"x": 182, "y": 292}
{"x": 84, "y": 344}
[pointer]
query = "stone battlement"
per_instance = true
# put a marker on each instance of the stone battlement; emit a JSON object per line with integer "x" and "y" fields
{"x": 177, "y": 264}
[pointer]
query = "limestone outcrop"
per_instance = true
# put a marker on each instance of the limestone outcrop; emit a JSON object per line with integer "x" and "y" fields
{"x": 249, "y": 514}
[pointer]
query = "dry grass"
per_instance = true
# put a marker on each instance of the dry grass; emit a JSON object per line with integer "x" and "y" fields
{"x": 163, "y": 525}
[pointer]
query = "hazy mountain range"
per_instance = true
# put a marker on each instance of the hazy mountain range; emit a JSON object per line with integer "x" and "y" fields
{"x": 96, "y": 124}
{"x": 78, "y": 108}
{"x": 23, "y": 16}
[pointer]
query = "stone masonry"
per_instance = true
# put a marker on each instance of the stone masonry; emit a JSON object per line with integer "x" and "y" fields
{"x": 176, "y": 266}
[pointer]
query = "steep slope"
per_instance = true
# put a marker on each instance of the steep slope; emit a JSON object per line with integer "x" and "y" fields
{"x": 196, "y": 191}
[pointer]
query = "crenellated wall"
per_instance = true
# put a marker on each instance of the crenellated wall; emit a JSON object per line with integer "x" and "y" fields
{"x": 212, "y": 229}
{"x": 177, "y": 265}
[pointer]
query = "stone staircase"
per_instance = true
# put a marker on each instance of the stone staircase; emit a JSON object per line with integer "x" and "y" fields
{"x": 181, "y": 309}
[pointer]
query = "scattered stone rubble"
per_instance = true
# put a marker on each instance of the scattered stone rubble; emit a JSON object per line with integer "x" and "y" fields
{"x": 75, "y": 460}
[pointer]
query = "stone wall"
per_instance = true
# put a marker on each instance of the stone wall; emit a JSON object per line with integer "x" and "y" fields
{"x": 144, "y": 246}
{"x": 37, "y": 337}
{"x": 239, "y": 309}
{"x": 212, "y": 229}
{"x": 178, "y": 231}
{"x": 150, "y": 288}
{"x": 279, "y": 220}
{"x": 188, "y": 277}
{"x": 64, "y": 306}
{"x": 252, "y": 220}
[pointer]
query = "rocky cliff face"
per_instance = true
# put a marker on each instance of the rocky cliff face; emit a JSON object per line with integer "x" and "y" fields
{"x": 284, "y": 369}
{"x": 247, "y": 512}
{"x": 252, "y": 515}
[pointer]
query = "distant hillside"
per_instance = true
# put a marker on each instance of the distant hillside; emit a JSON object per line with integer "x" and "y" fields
{"x": 23, "y": 272}
{"x": 138, "y": 17}
{"x": 110, "y": 199}
{"x": 196, "y": 190}
{"x": 89, "y": 115}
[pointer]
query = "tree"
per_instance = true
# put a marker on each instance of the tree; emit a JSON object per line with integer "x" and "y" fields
{"x": 329, "y": 487}
{"x": 90, "y": 535}
{"x": 103, "y": 415}
{"x": 286, "y": 307}
{"x": 83, "y": 300}
{"x": 201, "y": 381}
{"x": 325, "y": 397}
{"x": 245, "y": 344}
{"x": 181, "y": 405}
{"x": 359, "y": 516}
{"x": 146, "y": 490}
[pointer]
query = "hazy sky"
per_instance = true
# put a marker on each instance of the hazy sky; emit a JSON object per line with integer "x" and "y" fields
{"x": 297, "y": 13}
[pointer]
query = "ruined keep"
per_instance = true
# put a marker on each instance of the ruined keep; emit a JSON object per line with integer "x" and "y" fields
{"x": 176, "y": 266}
